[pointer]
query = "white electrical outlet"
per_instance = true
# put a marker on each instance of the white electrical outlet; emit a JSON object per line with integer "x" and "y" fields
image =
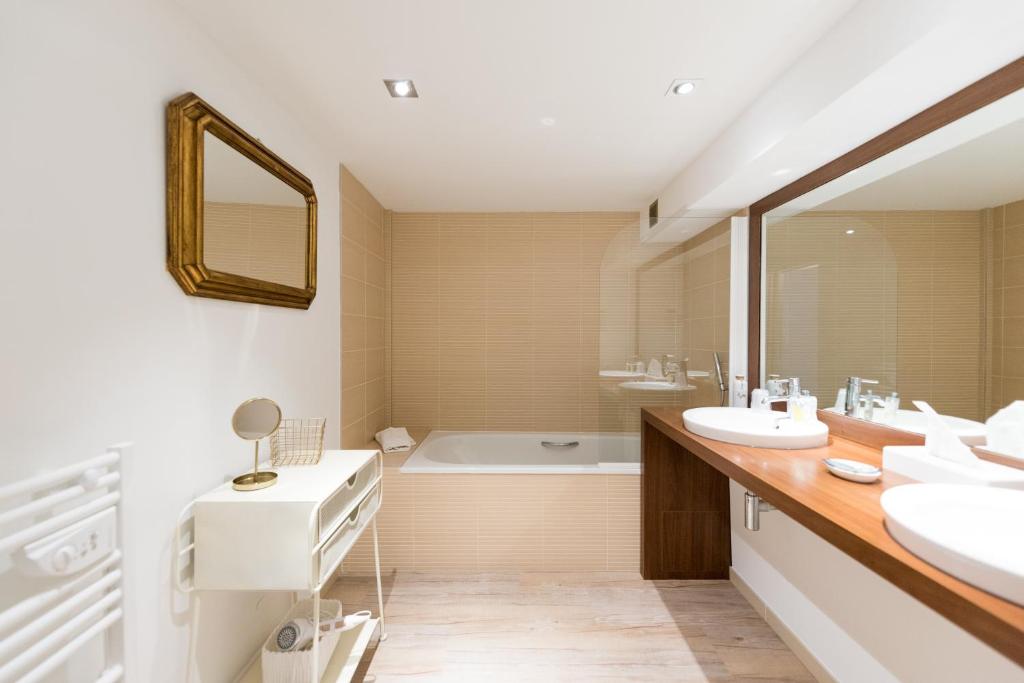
{"x": 71, "y": 549}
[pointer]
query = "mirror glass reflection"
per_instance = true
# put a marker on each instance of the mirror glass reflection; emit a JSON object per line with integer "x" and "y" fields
{"x": 254, "y": 224}
{"x": 908, "y": 271}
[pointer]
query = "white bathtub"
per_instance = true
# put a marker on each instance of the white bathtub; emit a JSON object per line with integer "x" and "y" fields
{"x": 525, "y": 453}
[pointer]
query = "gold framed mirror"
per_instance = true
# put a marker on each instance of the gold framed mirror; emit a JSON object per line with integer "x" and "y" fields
{"x": 241, "y": 222}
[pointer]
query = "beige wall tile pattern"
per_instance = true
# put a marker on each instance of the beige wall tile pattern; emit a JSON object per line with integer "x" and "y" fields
{"x": 504, "y": 521}
{"x": 495, "y": 319}
{"x": 1007, "y": 365}
{"x": 902, "y": 300}
{"x": 263, "y": 241}
{"x": 364, "y": 397}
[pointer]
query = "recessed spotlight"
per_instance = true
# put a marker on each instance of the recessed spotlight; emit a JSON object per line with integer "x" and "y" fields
{"x": 850, "y": 231}
{"x": 781, "y": 171}
{"x": 681, "y": 86}
{"x": 401, "y": 87}
{"x": 547, "y": 121}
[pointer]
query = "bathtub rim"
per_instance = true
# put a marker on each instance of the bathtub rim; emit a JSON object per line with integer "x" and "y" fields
{"x": 627, "y": 469}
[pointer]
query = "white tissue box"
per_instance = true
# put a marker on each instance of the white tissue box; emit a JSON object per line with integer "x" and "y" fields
{"x": 296, "y": 667}
{"x": 917, "y": 463}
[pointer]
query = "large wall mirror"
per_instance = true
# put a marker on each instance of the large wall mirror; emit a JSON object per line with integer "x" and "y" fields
{"x": 241, "y": 222}
{"x": 907, "y": 271}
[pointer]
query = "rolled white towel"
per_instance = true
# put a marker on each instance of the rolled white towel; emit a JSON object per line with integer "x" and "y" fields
{"x": 395, "y": 439}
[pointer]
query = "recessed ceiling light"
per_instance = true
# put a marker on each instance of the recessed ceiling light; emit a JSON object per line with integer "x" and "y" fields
{"x": 547, "y": 121}
{"x": 781, "y": 171}
{"x": 682, "y": 86}
{"x": 850, "y": 231}
{"x": 401, "y": 87}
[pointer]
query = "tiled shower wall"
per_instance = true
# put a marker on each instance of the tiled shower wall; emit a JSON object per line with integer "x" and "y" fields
{"x": 364, "y": 309}
{"x": 496, "y": 317}
{"x": 1007, "y": 365}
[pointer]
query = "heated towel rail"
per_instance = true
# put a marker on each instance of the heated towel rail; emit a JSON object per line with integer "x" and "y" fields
{"x": 62, "y": 531}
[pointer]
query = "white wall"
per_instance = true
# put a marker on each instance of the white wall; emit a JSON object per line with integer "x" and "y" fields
{"x": 857, "y": 624}
{"x": 98, "y": 343}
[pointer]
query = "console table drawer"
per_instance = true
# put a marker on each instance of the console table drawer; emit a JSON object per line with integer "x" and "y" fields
{"x": 350, "y": 491}
{"x": 335, "y": 548}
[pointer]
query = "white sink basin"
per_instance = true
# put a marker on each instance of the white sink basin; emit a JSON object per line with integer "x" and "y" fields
{"x": 759, "y": 428}
{"x": 655, "y": 385}
{"x": 971, "y": 532}
{"x": 970, "y": 432}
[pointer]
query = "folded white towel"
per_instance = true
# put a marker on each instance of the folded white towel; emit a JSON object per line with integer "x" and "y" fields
{"x": 394, "y": 439}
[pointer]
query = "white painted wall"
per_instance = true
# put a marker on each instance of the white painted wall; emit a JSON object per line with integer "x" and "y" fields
{"x": 858, "y": 625}
{"x": 98, "y": 343}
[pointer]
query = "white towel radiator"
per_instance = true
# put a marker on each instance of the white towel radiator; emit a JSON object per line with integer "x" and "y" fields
{"x": 64, "y": 527}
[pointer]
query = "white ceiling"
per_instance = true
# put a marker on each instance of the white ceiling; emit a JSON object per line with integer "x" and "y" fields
{"x": 489, "y": 71}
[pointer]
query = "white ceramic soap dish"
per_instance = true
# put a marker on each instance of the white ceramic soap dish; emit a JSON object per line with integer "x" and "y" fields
{"x": 853, "y": 470}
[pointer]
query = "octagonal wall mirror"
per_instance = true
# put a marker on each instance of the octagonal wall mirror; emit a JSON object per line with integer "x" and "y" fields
{"x": 241, "y": 222}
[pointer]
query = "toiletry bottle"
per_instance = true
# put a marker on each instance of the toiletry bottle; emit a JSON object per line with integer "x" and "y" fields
{"x": 670, "y": 367}
{"x": 794, "y": 407}
{"x": 892, "y": 407}
{"x": 772, "y": 385}
{"x": 868, "y": 410}
{"x": 809, "y": 406}
{"x": 840, "y": 405}
{"x": 758, "y": 398}
{"x": 739, "y": 391}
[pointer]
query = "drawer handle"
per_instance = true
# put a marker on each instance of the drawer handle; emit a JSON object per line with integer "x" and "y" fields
{"x": 559, "y": 444}
{"x": 352, "y": 480}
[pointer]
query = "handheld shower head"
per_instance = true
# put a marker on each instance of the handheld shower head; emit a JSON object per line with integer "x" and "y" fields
{"x": 718, "y": 373}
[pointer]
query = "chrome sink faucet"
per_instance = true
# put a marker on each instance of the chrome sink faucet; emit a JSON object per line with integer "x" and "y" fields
{"x": 787, "y": 388}
{"x": 854, "y": 385}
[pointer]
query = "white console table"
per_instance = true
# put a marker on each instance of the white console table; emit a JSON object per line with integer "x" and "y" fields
{"x": 291, "y": 536}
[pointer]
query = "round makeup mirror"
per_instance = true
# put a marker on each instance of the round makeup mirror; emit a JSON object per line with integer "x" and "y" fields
{"x": 256, "y": 419}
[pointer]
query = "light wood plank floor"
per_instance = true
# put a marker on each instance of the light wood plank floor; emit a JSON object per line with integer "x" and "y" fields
{"x": 593, "y": 626}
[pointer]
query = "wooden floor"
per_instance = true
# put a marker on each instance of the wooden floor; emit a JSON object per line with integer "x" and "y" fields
{"x": 594, "y": 626}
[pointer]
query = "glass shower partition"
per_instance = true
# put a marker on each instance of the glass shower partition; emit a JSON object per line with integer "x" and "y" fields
{"x": 665, "y": 304}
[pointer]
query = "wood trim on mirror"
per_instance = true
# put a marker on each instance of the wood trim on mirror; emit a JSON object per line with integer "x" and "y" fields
{"x": 188, "y": 118}
{"x": 995, "y": 86}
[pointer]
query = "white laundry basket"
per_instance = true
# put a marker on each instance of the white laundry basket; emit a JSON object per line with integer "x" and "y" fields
{"x": 296, "y": 667}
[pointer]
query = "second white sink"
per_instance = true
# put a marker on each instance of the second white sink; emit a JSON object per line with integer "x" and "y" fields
{"x": 971, "y": 532}
{"x": 758, "y": 428}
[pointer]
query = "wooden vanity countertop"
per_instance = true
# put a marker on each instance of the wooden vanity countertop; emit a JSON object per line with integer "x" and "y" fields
{"x": 849, "y": 516}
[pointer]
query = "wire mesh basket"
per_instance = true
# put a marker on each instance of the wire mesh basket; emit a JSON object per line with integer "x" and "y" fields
{"x": 298, "y": 441}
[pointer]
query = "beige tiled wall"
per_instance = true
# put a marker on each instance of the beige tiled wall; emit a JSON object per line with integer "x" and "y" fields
{"x": 504, "y": 521}
{"x": 1007, "y": 383}
{"x": 264, "y": 241}
{"x": 364, "y": 309}
{"x": 902, "y": 300}
{"x": 495, "y": 319}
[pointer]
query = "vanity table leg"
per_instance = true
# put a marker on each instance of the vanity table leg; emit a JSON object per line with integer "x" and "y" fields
{"x": 380, "y": 592}
{"x": 316, "y": 638}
